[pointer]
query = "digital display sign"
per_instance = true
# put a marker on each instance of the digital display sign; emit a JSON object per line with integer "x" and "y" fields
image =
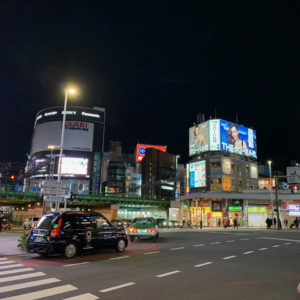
{"x": 74, "y": 165}
{"x": 197, "y": 174}
{"x": 141, "y": 150}
{"x": 220, "y": 135}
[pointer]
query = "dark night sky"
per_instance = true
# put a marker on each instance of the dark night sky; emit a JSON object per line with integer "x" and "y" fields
{"x": 153, "y": 66}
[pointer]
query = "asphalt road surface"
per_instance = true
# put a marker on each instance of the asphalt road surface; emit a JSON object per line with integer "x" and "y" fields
{"x": 181, "y": 265}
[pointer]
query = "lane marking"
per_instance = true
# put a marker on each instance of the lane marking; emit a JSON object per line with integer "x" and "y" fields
{"x": 204, "y": 264}
{"x": 11, "y": 266}
{"x": 3, "y": 258}
{"x": 268, "y": 238}
{"x": 199, "y": 245}
{"x": 121, "y": 257}
{"x": 15, "y": 271}
{"x": 82, "y": 263}
{"x": 168, "y": 274}
{"x": 230, "y": 241}
{"x": 179, "y": 248}
{"x": 229, "y": 257}
{"x": 86, "y": 296}
{"x": 214, "y": 243}
{"x": 244, "y": 239}
{"x": 19, "y": 277}
{"x": 262, "y": 249}
{"x": 287, "y": 243}
{"x": 117, "y": 287}
{"x": 7, "y": 262}
{"x": 43, "y": 293}
{"x": 275, "y": 246}
{"x": 153, "y": 252}
{"x": 24, "y": 285}
{"x": 248, "y": 252}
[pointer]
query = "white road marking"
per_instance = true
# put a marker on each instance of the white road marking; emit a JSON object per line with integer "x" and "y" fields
{"x": 248, "y": 252}
{"x": 167, "y": 274}
{"x": 244, "y": 239}
{"x": 3, "y": 258}
{"x": 117, "y": 287}
{"x": 287, "y": 243}
{"x": 82, "y": 263}
{"x": 11, "y": 266}
{"x": 7, "y": 262}
{"x": 214, "y": 243}
{"x": 199, "y": 245}
{"x": 15, "y": 271}
{"x": 275, "y": 246}
{"x": 153, "y": 252}
{"x": 179, "y": 248}
{"x": 28, "y": 284}
{"x": 19, "y": 277}
{"x": 204, "y": 264}
{"x": 86, "y": 296}
{"x": 43, "y": 293}
{"x": 262, "y": 249}
{"x": 230, "y": 241}
{"x": 268, "y": 238}
{"x": 121, "y": 257}
{"x": 229, "y": 257}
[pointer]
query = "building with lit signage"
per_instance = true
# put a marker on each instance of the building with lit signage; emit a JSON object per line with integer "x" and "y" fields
{"x": 82, "y": 151}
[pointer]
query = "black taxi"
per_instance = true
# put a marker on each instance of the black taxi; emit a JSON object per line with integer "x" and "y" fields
{"x": 71, "y": 231}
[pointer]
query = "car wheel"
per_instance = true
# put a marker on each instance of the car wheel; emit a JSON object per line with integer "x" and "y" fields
{"x": 131, "y": 239}
{"x": 121, "y": 245}
{"x": 42, "y": 254}
{"x": 155, "y": 238}
{"x": 70, "y": 250}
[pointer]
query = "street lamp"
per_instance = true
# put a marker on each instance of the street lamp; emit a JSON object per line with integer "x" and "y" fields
{"x": 271, "y": 182}
{"x": 67, "y": 91}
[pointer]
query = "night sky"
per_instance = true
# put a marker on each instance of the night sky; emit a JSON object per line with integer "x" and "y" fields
{"x": 153, "y": 65}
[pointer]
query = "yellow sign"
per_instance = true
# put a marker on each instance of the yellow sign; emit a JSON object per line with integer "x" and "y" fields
{"x": 226, "y": 183}
{"x": 216, "y": 214}
{"x": 256, "y": 209}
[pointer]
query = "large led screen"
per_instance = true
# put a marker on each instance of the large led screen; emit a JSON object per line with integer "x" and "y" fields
{"x": 237, "y": 139}
{"x": 199, "y": 138}
{"x": 74, "y": 165}
{"x": 197, "y": 174}
{"x": 78, "y": 136}
{"x": 141, "y": 150}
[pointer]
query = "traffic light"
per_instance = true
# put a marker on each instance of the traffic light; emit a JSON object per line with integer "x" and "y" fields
{"x": 294, "y": 188}
{"x": 12, "y": 177}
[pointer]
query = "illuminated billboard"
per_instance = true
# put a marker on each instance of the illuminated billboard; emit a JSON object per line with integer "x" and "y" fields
{"x": 237, "y": 139}
{"x": 78, "y": 136}
{"x": 197, "y": 174}
{"x": 220, "y": 135}
{"x": 141, "y": 150}
{"x": 74, "y": 165}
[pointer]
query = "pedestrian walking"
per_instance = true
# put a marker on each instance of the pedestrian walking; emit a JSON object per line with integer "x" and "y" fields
{"x": 0, "y": 224}
{"x": 274, "y": 222}
{"x": 235, "y": 223}
{"x": 268, "y": 222}
{"x": 279, "y": 224}
{"x": 296, "y": 223}
{"x": 201, "y": 224}
{"x": 225, "y": 223}
{"x": 286, "y": 223}
{"x": 219, "y": 222}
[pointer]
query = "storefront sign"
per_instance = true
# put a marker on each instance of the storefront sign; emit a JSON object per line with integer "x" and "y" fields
{"x": 234, "y": 208}
{"x": 256, "y": 209}
{"x": 216, "y": 205}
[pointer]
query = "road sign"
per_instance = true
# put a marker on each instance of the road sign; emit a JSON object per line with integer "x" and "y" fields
{"x": 54, "y": 188}
{"x": 54, "y": 198}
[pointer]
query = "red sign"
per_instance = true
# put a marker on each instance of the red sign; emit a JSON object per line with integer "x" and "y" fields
{"x": 141, "y": 150}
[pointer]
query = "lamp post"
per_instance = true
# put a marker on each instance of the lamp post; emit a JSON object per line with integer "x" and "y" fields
{"x": 71, "y": 91}
{"x": 271, "y": 182}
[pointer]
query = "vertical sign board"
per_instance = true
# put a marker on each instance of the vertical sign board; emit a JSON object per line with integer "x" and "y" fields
{"x": 197, "y": 174}
{"x": 214, "y": 135}
{"x": 96, "y": 173}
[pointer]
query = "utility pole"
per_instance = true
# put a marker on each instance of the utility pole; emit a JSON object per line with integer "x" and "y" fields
{"x": 277, "y": 206}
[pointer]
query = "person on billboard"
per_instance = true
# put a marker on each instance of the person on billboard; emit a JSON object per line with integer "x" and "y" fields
{"x": 233, "y": 137}
{"x": 199, "y": 139}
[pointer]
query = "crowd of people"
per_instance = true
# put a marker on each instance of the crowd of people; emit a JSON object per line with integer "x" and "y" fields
{"x": 270, "y": 222}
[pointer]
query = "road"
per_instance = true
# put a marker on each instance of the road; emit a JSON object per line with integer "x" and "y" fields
{"x": 181, "y": 265}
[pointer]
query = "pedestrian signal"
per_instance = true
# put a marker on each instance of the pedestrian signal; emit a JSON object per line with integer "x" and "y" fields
{"x": 295, "y": 188}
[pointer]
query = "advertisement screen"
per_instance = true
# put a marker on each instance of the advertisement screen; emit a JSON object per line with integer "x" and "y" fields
{"x": 74, "y": 165}
{"x": 238, "y": 139}
{"x": 78, "y": 136}
{"x": 141, "y": 150}
{"x": 199, "y": 138}
{"x": 197, "y": 174}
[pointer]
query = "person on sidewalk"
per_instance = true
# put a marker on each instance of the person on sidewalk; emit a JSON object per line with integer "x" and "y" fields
{"x": 286, "y": 223}
{"x": 235, "y": 223}
{"x": 0, "y": 224}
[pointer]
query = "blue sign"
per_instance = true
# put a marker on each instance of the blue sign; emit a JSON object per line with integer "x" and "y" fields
{"x": 238, "y": 139}
{"x": 142, "y": 150}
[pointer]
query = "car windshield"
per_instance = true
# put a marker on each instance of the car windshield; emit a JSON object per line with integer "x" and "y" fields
{"x": 47, "y": 221}
{"x": 146, "y": 221}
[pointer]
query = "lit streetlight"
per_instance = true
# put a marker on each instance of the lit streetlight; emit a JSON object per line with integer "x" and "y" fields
{"x": 67, "y": 91}
{"x": 271, "y": 183}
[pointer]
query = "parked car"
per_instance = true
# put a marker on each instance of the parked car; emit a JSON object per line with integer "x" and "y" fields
{"x": 162, "y": 223}
{"x": 72, "y": 231}
{"x": 30, "y": 223}
{"x": 175, "y": 224}
{"x": 143, "y": 228}
{"x": 6, "y": 224}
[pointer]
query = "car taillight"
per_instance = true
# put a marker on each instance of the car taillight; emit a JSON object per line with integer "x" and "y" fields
{"x": 151, "y": 230}
{"x": 132, "y": 229}
{"x": 56, "y": 232}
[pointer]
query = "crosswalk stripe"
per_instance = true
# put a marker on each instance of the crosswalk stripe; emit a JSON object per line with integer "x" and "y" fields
{"x": 19, "y": 277}
{"x": 10, "y": 266}
{"x": 7, "y": 262}
{"x": 43, "y": 293}
{"x": 15, "y": 271}
{"x": 3, "y": 258}
{"x": 28, "y": 284}
{"x": 86, "y": 296}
